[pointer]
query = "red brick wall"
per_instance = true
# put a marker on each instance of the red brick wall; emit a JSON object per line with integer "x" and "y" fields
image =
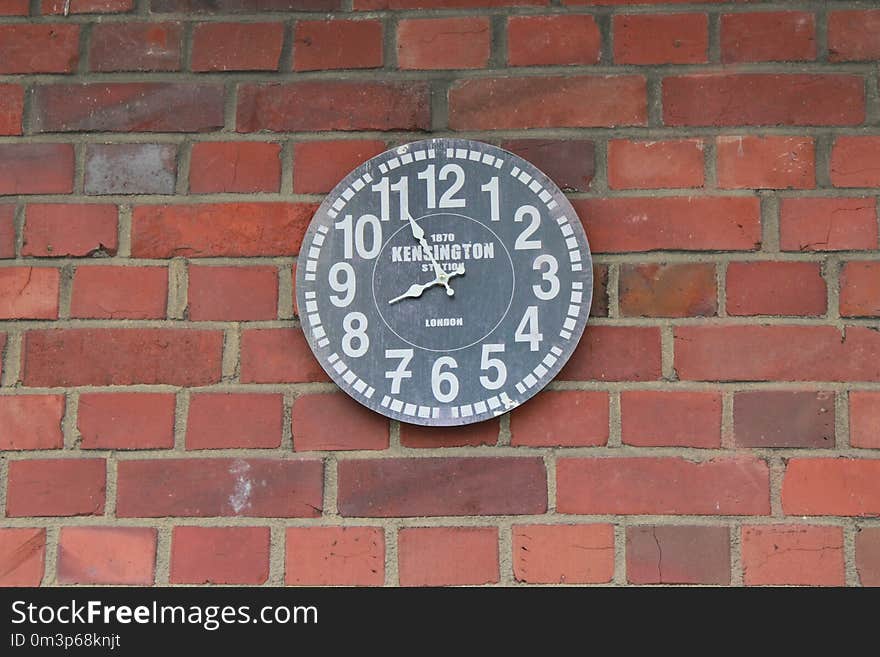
{"x": 162, "y": 420}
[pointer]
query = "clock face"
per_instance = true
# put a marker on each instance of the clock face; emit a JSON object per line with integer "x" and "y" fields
{"x": 444, "y": 282}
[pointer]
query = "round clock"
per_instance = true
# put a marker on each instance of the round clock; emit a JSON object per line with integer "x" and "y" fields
{"x": 444, "y": 282}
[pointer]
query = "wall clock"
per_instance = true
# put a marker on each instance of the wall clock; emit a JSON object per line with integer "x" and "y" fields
{"x": 444, "y": 282}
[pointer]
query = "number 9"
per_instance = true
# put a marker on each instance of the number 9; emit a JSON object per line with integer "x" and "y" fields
{"x": 348, "y": 285}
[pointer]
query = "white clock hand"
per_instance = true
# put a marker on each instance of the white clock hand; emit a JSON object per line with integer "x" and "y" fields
{"x": 415, "y": 290}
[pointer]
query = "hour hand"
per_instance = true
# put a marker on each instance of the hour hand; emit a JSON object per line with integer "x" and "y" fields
{"x": 415, "y": 290}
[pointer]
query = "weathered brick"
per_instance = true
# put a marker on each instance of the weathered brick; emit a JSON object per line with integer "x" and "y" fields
{"x": 29, "y": 292}
{"x": 448, "y": 556}
{"x": 864, "y": 419}
{"x": 777, "y": 418}
{"x": 675, "y": 554}
{"x": 371, "y": 5}
{"x": 330, "y": 421}
{"x": 765, "y": 99}
{"x": 7, "y": 230}
{"x": 660, "y": 39}
{"x": 776, "y": 288}
{"x": 476, "y": 434}
{"x": 70, "y": 357}
{"x": 563, "y": 554}
{"x": 278, "y": 356}
{"x": 673, "y": 163}
{"x": 852, "y": 35}
{"x": 566, "y": 418}
{"x": 237, "y": 46}
{"x": 219, "y": 555}
{"x": 319, "y": 165}
{"x": 335, "y": 556}
{"x": 442, "y": 486}
{"x": 126, "y": 420}
{"x": 219, "y": 229}
{"x": 615, "y": 353}
{"x": 792, "y": 555}
{"x": 56, "y": 487}
{"x": 768, "y": 36}
{"x": 831, "y": 487}
{"x": 11, "y": 108}
{"x": 22, "y": 552}
{"x": 335, "y": 44}
{"x": 548, "y": 102}
{"x": 553, "y": 40}
{"x": 855, "y": 161}
{"x": 266, "y": 488}
{"x": 684, "y": 223}
{"x": 766, "y": 162}
{"x": 827, "y": 224}
{"x": 38, "y": 48}
{"x": 110, "y": 292}
{"x": 234, "y": 421}
{"x": 655, "y": 418}
{"x": 661, "y": 486}
{"x": 31, "y": 421}
{"x": 135, "y": 47}
{"x": 131, "y": 168}
{"x": 240, "y": 167}
{"x": 86, "y": 6}
{"x": 868, "y": 556}
{"x": 233, "y": 293}
{"x": 246, "y": 6}
{"x": 334, "y": 105}
{"x": 570, "y": 163}
{"x": 777, "y": 353}
{"x": 58, "y": 229}
{"x": 15, "y": 8}
{"x": 599, "y": 306}
{"x": 127, "y": 107}
{"x": 36, "y": 168}
{"x": 107, "y": 555}
{"x": 443, "y": 43}
{"x": 668, "y": 290}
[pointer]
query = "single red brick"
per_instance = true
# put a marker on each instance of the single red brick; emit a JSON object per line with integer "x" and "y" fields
{"x": 827, "y": 224}
{"x": 15, "y": 8}
{"x": 238, "y": 420}
{"x": 107, "y": 555}
{"x": 674, "y": 554}
{"x": 864, "y": 419}
{"x": 553, "y": 40}
{"x": 776, "y": 288}
{"x": 31, "y": 421}
{"x": 278, "y": 356}
{"x": 335, "y": 556}
{"x": 219, "y": 229}
{"x": 668, "y": 290}
{"x": 336, "y": 422}
{"x": 22, "y": 551}
{"x": 563, "y": 554}
{"x": 442, "y": 486}
{"x": 792, "y": 555}
{"x": 766, "y": 162}
{"x": 135, "y": 47}
{"x": 319, "y": 165}
{"x": 570, "y": 163}
{"x": 265, "y": 488}
{"x": 443, "y": 43}
{"x": 855, "y": 161}
{"x": 233, "y": 293}
{"x": 773, "y": 99}
{"x": 615, "y": 353}
{"x": 655, "y": 164}
{"x": 473, "y": 435}
{"x": 56, "y": 487}
{"x": 548, "y": 102}
{"x": 243, "y": 6}
{"x": 11, "y": 108}
{"x": 36, "y": 169}
{"x": 660, "y": 38}
{"x": 653, "y": 418}
{"x": 220, "y": 555}
{"x": 69, "y": 229}
{"x": 242, "y": 167}
{"x": 662, "y": 486}
{"x": 103, "y": 357}
{"x": 683, "y": 223}
{"x": 777, "y": 353}
{"x": 599, "y": 307}
{"x": 372, "y": 5}
{"x": 831, "y": 487}
{"x": 564, "y": 418}
{"x": 7, "y": 230}
{"x": 237, "y": 46}
{"x": 29, "y": 292}
{"x": 38, "y": 48}
{"x": 867, "y": 556}
{"x": 776, "y": 418}
{"x": 768, "y": 36}
{"x": 110, "y": 292}
{"x": 315, "y": 105}
{"x": 86, "y": 6}
{"x": 448, "y": 556}
{"x": 335, "y": 44}
{"x": 128, "y": 107}
{"x": 126, "y": 420}
{"x": 852, "y": 35}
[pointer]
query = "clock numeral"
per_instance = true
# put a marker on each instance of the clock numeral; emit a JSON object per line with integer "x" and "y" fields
{"x": 356, "y": 240}
{"x": 447, "y": 199}
{"x": 527, "y": 331}
{"x": 441, "y": 379}
{"x": 494, "y": 199}
{"x": 400, "y": 373}
{"x": 487, "y": 363}
{"x": 549, "y": 276}
{"x": 523, "y": 243}
{"x": 355, "y": 326}
{"x": 384, "y": 187}
{"x": 346, "y": 283}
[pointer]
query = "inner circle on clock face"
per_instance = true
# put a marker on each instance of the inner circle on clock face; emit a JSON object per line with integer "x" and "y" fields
{"x": 436, "y": 321}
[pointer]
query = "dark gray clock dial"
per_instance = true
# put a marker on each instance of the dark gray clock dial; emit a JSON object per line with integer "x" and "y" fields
{"x": 444, "y": 282}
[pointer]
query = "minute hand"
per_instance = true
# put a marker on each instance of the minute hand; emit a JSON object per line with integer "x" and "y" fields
{"x": 419, "y": 233}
